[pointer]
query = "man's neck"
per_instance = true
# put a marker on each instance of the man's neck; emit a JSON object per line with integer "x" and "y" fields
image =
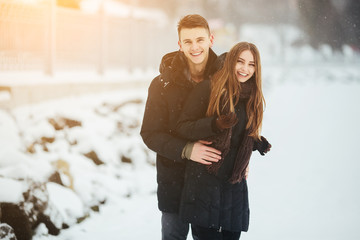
{"x": 197, "y": 71}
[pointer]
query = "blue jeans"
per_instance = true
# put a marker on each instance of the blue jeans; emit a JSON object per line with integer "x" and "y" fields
{"x": 172, "y": 228}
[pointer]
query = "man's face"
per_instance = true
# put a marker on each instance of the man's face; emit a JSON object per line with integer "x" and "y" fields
{"x": 195, "y": 43}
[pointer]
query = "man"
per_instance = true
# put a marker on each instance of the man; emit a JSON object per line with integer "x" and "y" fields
{"x": 180, "y": 72}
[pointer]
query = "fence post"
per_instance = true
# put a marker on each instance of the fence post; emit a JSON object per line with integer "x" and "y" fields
{"x": 102, "y": 40}
{"x": 133, "y": 34}
{"x": 51, "y": 39}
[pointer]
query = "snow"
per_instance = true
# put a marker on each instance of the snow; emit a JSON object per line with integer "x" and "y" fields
{"x": 306, "y": 184}
{"x": 109, "y": 126}
{"x": 6, "y": 233}
{"x": 66, "y": 202}
{"x": 8, "y": 131}
{"x": 11, "y": 190}
{"x": 306, "y": 187}
{"x": 17, "y": 165}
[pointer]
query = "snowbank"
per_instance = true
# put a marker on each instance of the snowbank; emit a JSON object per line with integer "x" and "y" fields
{"x": 86, "y": 150}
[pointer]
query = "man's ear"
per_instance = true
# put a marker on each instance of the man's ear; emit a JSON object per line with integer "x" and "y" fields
{"x": 179, "y": 43}
{"x": 211, "y": 40}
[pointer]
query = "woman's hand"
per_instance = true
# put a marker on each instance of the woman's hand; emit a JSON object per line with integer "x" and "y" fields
{"x": 247, "y": 172}
{"x": 263, "y": 146}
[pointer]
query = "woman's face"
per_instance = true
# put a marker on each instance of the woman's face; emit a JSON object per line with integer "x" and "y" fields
{"x": 245, "y": 66}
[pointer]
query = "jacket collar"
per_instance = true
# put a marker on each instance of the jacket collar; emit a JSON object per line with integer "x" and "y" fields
{"x": 174, "y": 68}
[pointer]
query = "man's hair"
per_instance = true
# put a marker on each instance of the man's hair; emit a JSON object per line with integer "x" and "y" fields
{"x": 193, "y": 21}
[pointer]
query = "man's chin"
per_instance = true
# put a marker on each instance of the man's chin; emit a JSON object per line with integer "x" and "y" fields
{"x": 197, "y": 60}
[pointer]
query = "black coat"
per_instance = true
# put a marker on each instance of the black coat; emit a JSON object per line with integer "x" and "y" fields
{"x": 166, "y": 96}
{"x": 209, "y": 200}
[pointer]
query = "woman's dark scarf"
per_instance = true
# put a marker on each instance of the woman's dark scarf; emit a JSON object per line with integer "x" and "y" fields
{"x": 222, "y": 142}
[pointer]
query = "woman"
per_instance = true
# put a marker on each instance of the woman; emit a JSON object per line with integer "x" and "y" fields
{"x": 228, "y": 112}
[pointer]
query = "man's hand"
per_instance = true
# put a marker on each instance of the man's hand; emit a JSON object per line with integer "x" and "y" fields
{"x": 204, "y": 154}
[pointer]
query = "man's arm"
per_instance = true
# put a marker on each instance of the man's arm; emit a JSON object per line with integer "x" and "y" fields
{"x": 193, "y": 123}
{"x": 156, "y": 136}
{"x": 194, "y": 126}
{"x": 154, "y": 126}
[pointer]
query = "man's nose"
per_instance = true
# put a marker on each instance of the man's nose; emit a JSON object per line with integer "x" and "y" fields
{"x": 194, "y": 46}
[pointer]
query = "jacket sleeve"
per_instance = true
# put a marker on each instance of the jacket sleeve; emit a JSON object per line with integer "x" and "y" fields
{"x": 154, "y": 130}
{"x": 193, "y": 123}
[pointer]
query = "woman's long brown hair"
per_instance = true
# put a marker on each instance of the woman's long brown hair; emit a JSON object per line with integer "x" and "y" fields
{"x": 226, "y": 89}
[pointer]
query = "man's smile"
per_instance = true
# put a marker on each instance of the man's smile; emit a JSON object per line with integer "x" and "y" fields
{"x": 195, "y": 54}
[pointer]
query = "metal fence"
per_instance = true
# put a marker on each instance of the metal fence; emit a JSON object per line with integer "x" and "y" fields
{"x": 45, "y": 37}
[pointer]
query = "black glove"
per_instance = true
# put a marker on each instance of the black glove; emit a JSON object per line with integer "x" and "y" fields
{"x": 263, "y": 146}
{"x": 226, "y": 121}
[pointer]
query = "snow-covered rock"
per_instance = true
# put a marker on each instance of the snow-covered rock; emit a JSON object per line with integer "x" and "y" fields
{"x": 67, "y": 203}
{"x": 62, "y": 165}
{"x": 7, "y": 232}
{"x": 11, "y": 190}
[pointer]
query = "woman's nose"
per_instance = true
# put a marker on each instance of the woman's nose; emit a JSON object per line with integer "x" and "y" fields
{"x": 243, "y": 68}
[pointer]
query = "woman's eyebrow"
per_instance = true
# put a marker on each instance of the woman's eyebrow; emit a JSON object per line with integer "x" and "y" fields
{"x": 244, "y": 60}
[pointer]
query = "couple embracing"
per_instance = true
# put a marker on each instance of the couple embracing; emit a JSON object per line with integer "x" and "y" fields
{"x": 203, "y": 118}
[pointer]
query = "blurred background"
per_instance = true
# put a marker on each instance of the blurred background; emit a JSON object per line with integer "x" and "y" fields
{"x": 73, "y": 86}
{"x": 100, "y": 36}
{"x": 77, "y": 40}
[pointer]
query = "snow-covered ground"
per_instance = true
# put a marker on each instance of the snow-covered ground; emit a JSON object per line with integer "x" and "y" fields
{"x": 110, "y": 127}
{"x": 305, "y": 188}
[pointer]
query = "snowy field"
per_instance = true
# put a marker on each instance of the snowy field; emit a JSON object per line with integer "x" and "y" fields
{"x": 305, "y": 188}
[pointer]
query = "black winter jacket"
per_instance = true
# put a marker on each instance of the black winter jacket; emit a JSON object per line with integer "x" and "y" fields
{"x": 166, "y": 96}
{"x": 209, "y": 200}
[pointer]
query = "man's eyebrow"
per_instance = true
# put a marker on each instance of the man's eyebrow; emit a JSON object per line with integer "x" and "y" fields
{"x": 188, "y": 39}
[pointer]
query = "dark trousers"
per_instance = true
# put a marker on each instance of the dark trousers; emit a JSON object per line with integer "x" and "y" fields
{"x": 201, "y": 233}
{"x": 172, "y": 228}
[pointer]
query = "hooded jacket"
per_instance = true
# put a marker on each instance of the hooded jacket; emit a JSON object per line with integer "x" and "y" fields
{"x": 166, "y": 96}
